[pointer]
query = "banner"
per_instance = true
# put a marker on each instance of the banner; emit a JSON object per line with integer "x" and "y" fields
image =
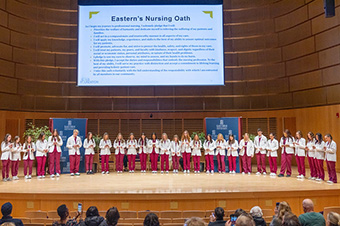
{"x": 225, "y": 126}
{"x": 65, "y": 127}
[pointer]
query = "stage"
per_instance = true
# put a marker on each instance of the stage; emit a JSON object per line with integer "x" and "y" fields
{"x": 166, "y": 192}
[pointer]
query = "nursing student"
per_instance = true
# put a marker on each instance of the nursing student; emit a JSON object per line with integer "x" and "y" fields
{"x": 311, "y": 155}
{"x": 143, "y": 151}
{"x": 196, "y": 146}
{"x": 105, "y": 152}
{"x": 153, "y": 146}
{"x": 6, "y": 149}
{"x": 330, "y": 149}
{"x": 74, "y": 144}
{"x": 287, "y": 145}
{"x": 209, "y": 149}
{"x": 272, "y": 147}
{"x": 175, "y": 153}
{"x": 41, "y": 154}
{"x": 16, "y": 157}
{"x": 165, "y": 145}
{"x": 319, "y": 150}
{"x": 232, "y": 153}
{"x": 247, "y": 148}
{"x": 186, "y": 151}
{"x": 89, "y": 145}
{"x": 119, "y": 146}
{"x": 221, "y": 145}
{"x": 300, "y": 145}
{"x": 131, "y": 145}
{"x": 260, "y": 143}
{"x": 54, "y": 151}
{"x": 28, "y": 150}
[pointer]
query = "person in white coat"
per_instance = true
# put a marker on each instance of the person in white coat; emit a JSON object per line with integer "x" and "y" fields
{"x": 164, "y": 145}
{"x": 186, "y": 151}
{"x": 287, "y": 146}
{"x": 89, "y": 145}
{"x": 330, "y": 149}
{"x": 153, "y": 145}
{"x": 74, "y": 144}
{"x": 246, "y": 152}
{"x": 131, "y": 145}
{"x": 196, "y": 154}
{"x": 311, "y": 155}
{"x": 54, "y": 152}
{"x": 119, "y": 146}
{"x": 319, "y": 150}
{"x": 105, "y": 145}
{"x": 175, "y": 153}
{"x": 272, "y": 147}
{"x": 232, "y": 153}
{"x": 16, "y": 157}
{"x": 300, "y": 153}
{"x": 209, "y": 147}
{"x": 6, "y": 149}
{"x": 41, "y": 155}
{"x": 29, "y": 150}
{"x": 260, "y": 143}
{"x": 143, "y": 151}
{"x": 221, "y": 145}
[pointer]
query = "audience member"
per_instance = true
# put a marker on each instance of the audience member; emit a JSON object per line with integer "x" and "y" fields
{"x": 239, "y": 212}
{"x": 282, "y": 210}
{"x": 289, "y": 219}
{"x": 333, "y": 219}
{"x": 151, "y": 220}
{"x": 7, "y": 224}
{"x": 216, "y": 219}
{"x": 310, "y": 218}
{"x": 195, "y": 221}
{"x": 243, "y": 220}
{"x": 111, "y": 218}
{"x": 276, "y": 222}
{"x": 6, "y": 211}
{"x": 64, "y": 215}
{"x": 256, "y": 213}
{"x": 92, "y": 217}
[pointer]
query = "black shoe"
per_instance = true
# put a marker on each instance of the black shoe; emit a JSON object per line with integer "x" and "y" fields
{"x": 288, "y": 175}
{"x": 281, "y": 175}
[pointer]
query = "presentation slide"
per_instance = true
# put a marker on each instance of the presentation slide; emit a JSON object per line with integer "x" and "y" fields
{"x": 150, "y": 45}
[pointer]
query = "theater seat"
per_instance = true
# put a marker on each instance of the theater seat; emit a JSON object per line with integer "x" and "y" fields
{"x": 193, "y": 213}
{"x": 36, "y": 214}
{"x": 34, "y": 224}
{"x": 170, "y": 214}
{"x": 25, "y": 220}
{"x": 52, "y": 214}
{"x": 165, "y": 220}
{"x": 267, "y": 212}
{"x": 142, "y": 214}
{"x": 329, "y": 209}
{"x": 128, "y": 214}
{"x": 42, "y": 221}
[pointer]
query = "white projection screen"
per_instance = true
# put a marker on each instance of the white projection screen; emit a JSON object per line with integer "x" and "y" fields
{"x": 150, "y": 43}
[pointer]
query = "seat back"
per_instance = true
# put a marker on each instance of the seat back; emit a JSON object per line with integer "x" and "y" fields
{"x": 170, "y": 214}
{"x": 36, "y": 214}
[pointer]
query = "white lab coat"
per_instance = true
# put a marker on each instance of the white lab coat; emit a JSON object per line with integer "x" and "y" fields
{"x": 196, "y": 148}
{"x": 89, "y": 150}
{"x": 6, "y": 151}
{"x": 272, "y": 147}
{"x": 150, "y": 146}
{"x": 250, "y": 148}
{"x": 143, "y": 148}
{"x": 300, "y": 147}
{"x": 311, "y": 152}
{"x": 319, "y": 150}
{"x": 289, "y": 141}
{"x": 165, "y": 146}
{"x": 16, "y": 152}
{"x": 119, "y": 146}
{"x": 175, "y": 148}
{"x": 40, "y": 147}
{"x": 185, "y": 146}
{"x": 220, "y": 147}
{"x": 260, "y": 144}
{"x": 232, "y": 149}
{"x": 105, "y": 150}
{"x": 71, "y": 142}
{"x": 209, "y": 147}
{"x": 331, "y": 151}
{"x": 131, "y": 146}
{"x": 51, "y": 145}
{"x": 29, "y": 148}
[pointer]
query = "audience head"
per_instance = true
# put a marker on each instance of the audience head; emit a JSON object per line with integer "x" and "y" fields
{"x": 219, "y": 213}
{"x": 63, "y": 212}
{"x": 112, "y": 216}
{"x": 276, "y": 222}
{"x": 92, "y": 211}
{"x": 333, "y": 219}
{"x": 8, "y": 224}
{"x": 308, "y": 205}
{"x": 289, "y": 219}
{"x": 283, "y": 209}
{"x": 6, "y": 209}
{"x": 151, "y": 220}
{"x": 195, "y": 221}
{"x": 245, "y": 220}
{"x": 256, "y": 211}
{"x": 239, "y": 212}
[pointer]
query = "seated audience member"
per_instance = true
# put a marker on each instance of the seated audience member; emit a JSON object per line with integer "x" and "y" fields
{"x": 282, "y": 210}
{"x": 92, "y": 217}
{"x": 276, "y": 222}
{"x": 111, "y": 218}
{"x": 217, "y": 218}
{"x": 256, "y": 213}
{"x": 151, "y": 220}
{"x": 243, "y": 220}
{"x": 289, "y": 219}
{"x": 333, "y": 219}
{"x": 6, "y": 211}
{"x": 64, "y": 215}
{"x": 239, "y": 212}
{"x": 7, "y": 224}
{"x": 310, "y": 218}
{"x": 195, "y": 221}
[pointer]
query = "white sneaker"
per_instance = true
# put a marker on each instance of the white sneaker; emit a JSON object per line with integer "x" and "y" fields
{"x": 198, "y": 172}
{"x": 208, "y": 172}
{"x": 195, "y": 172}
{"x": 318, "y": 179}
{"x": 184, "y": 171}
{"x": 243, "y": 173}
{"x": 43, "y": 176}
{"x": 58, "y": 175}
{"x": 174, "y": 171}
{"x": 234, "y": 172}
{"x": 162, "y": 172}
{"x": 103, "y": 172}
{"x": 52, "y": 176}
{"x": 219, "y": 172}
{"x": 212, "y": 171}
{"x": 133, "y": 171}
{"x": 38, "y": 177}
{"x": 72, "y": 174}
{"x": 258, "y": 173}
{"x": 264, "y": 173}
{"x": 249, "y": 173}
{"x": 230, "y": 172}
{"x": 107, "y": 172}
{"x": 302, "y": 177}
{"x": 313, "y": 178}
{"x": 30, "y": 177}
{"x": 26, "y": 177}
{"x": 299, "y": 176}
{"x": 330, "y": 182}
{"x": 167, "y": 172}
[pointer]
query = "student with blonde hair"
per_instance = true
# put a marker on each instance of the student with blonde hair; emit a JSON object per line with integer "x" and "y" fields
{"x": 333, "y": 219}
{"x": 221, "y": 145}
{"x": 119, "y": 146}
{"x": 186, "y": 151}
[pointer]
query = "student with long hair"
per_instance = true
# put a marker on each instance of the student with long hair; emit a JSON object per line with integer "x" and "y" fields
{"x": 196, "y": 146}
{"x": 41, "y": 154}
{"x": 209, "y": 147}
{"x": 74, "y": 144}
{"x": 333, "y": 219}
{"x": 131, "y": 145}
{"x": 16, "y": 157}
{"x": 221, "y": 145}
{"x": 6, "y": 149}
{"x": 153, "y": 146}
{"x": 272, "y": 147}
{"x": 28, "y": 149}
{"x": 287, "y": 145}
{"x": 143, "y": 151}
{"x": 119, "y": 145}
{"x": 105, "y": 145}
{"x": 89, "y": 145}
{"x": 260, "y": 143}
{"x": 186, "y": 150}
{"x": 175, "y": 153}
{"x": 232, "y": 153}
{"x": 300, "y": 145}
{"x": 165, "y": 145}
{"x": 246, "y": 152}
{"x": 318, "y": 148}
{"x": 330, "y": 149}
{"x": 311, "y": 155}
{"x": 54, "y": 151}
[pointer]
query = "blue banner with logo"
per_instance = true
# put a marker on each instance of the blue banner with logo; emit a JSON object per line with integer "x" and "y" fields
{"x": 225, "y": 126}
{"x": 65, "y": 127}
